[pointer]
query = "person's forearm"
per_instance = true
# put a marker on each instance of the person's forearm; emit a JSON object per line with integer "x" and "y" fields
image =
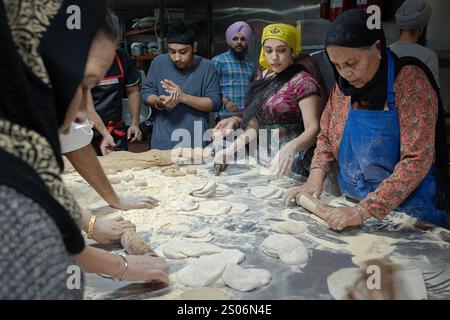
{"x": 248, "y": 136}
{"x": 94, "y": 117}
{"x": 134, "y": 104}
{"x": 153, "y": 100}
{"x": 85, "y": 218}
{"x": 203, "y": 104}
{"x": 94, "y": 260}
{"x": 86, "y": 163}
{"x": 317, "y": 176}
{"x": 306, "y": 140}
{"x": 323, "y": 154}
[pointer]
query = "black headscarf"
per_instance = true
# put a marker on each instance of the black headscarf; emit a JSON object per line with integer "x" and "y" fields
{"x": 180, "y": 33}
{"x": 350, "y": 30}
{"x": 42, "y": 63}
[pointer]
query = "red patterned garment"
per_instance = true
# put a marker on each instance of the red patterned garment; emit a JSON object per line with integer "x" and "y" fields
{"x": 417, "y": 107}
{"x": 282, "y": 108}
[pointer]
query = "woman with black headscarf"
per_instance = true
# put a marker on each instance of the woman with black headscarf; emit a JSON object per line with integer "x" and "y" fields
{"x": 46, "y": 70}
{"x": 383, "y": 125}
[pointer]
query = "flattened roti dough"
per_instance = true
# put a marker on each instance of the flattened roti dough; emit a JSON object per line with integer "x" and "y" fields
{"x": 266, "y": 192}
{"x": 213, "y": 208}
{"x": 288, "y": 227}
{"x": 201, "y": 273}
{"x": 244, "y": 280}
{"x": 290, "y": 250}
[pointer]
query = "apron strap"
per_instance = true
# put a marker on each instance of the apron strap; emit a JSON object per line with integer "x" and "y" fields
{"x": 112, "y": 128}
{"x": 120, "y": 66}
{"x": 391, "y": 81}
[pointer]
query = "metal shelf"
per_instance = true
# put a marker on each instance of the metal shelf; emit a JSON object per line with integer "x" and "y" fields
{"x": 149, "y": 56}
{"x": 136, "y": 32}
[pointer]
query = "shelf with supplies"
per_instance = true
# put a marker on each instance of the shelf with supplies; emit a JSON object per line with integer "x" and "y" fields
{"x": 148, "y": 56}
{"x": 140, "y": 31}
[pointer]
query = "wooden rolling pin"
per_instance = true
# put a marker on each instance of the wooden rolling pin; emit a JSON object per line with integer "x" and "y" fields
{"x": 313, "y": 205}
{"x": 134, "y": 244}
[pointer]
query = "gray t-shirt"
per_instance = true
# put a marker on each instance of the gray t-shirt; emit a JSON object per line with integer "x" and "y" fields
{"x": 185, "y": 125}
{"x": 427, "y": 56}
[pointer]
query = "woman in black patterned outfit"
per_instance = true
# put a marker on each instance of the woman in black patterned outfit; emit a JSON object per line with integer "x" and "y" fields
{"x": 47, "y": 66}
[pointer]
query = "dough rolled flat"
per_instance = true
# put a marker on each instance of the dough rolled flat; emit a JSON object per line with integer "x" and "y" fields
{"x": 201, "y": 273}
{"x": 240, "y": 279}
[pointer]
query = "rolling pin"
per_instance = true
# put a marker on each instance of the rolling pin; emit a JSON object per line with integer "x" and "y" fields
{"x": 313, "y": 205}
{"x": 134, "y": 244}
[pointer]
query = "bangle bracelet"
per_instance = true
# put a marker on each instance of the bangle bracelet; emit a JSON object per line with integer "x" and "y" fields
{"x": 359, "y": 209}
{"x": 90, "y": 230}
{"x": 125, "y": 269}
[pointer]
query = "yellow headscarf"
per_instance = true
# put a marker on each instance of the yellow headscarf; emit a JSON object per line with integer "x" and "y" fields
{"x": 283, "y": 32}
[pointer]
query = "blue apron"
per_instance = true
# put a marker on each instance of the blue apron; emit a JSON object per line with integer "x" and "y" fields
{"x": 369, "y": 152}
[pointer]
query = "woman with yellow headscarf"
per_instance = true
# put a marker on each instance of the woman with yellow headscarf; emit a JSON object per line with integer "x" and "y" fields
{"x": 286, "y": 102}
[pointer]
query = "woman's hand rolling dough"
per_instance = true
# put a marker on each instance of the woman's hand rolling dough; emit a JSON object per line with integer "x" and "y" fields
{"x": 282, "y": 163}
{"x": 148, "y": 269}
{"x": 343, "y": 217}
{"x": 107, "y": 231}
{"x": 313, "y": 187}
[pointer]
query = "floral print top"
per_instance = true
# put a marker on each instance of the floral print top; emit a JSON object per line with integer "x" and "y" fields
{"x": 417, "y": 107}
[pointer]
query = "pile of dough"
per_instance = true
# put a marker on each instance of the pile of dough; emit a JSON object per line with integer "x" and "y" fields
{"x": 266, "y": 192}
{"x": 245, "y": 280}
{"x": 201, "y": 273}
{"x": 223, "y": 269}
{"x": 180, "y": 249}
{"x": 229, "y": 256}
{"x": 204, "y": 235}
{"x": 211, "y": 189}
{"x": 288, "y": 227}
{"x": 205, "y": 191}
{"x": 121, "y": 160}
{"x": 222, "y": 191}
{"x": 189, "y": 156}
{"x": 215, "y": 207}
{"x": 410, "y": 284}
{"x": 290, "y": 250}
